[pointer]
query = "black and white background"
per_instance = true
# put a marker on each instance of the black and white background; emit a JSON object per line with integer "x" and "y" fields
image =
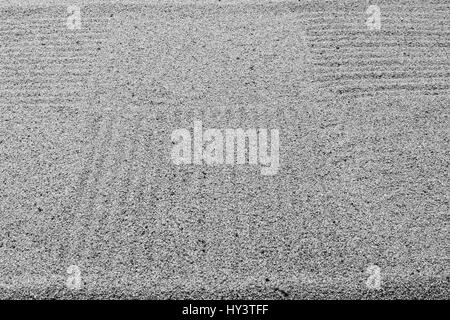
{"x": 92, "y": 206}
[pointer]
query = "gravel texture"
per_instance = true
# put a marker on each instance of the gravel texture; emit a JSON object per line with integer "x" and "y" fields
{"x": 85, "y": 150}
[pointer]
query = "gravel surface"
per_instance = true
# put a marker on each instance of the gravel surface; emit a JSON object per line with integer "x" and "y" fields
{"x": 85, "y": 150}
